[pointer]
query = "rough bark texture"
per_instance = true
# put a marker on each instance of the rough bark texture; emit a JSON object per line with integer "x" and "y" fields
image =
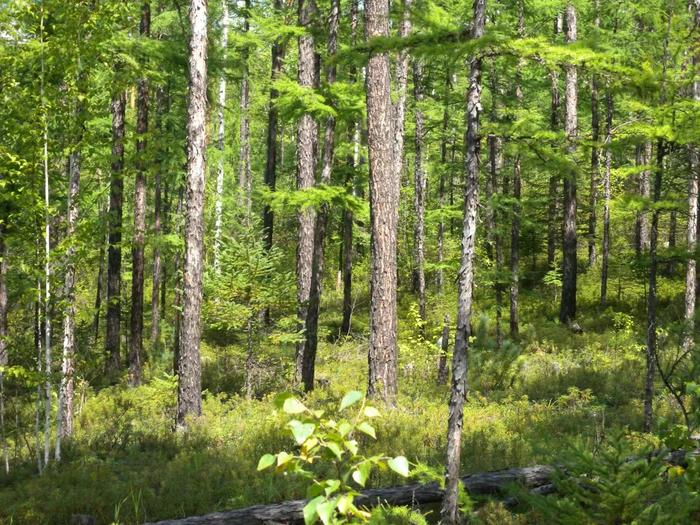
{"x": 481, "y": 484}
{"x": 4, "y": 357}
{"x": 114, "y": 251}
{"x": 245, "y": 181}
{"x": 311, "y": 343}
{"x": 606, "y": 197}
{"x": 567, "y": 311}
{"x": 64, "y": 415}
{"x": 270, "y": 177}
{"x": 139, "y": 237}
{"x": 517, "y": 190}
{"x": 219, "y": 205}
{"x": 595, "y": 154}
{"x": 449, "y": 511}
{"x": 189, "y": 399}
{"x": 384, "y": 185}
{"x": 401, "y": 88}
{"x": 651, "y": 294}
{"x": 306, "y": 169}
{"x": 443, "y": 368}
{"x": 553, "y": 202}
{"x": 643, "y": 160}
{"x": 419, "y": 191}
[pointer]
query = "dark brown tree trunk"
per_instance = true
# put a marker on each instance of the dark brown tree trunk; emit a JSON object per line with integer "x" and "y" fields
{"x": 306, "y": 170}
{"x": 139, "y": 238}
{"x": 419, "y": 191}
{"x": 272, "y": 128}
{"x": 567, "y": 312}
{"x": 309, "y": 364}
{"x": 189, "y": 399}
{"x": 554, "y": 180}
{"x": 651, "y": 293}
{"x": 114, "y": 252}
{"x": 449, "y": 511}
{"x": 384, "y": 186}
{"x": 606, "y": 196}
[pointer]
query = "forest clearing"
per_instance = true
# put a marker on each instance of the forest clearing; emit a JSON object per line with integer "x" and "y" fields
{"x": 349, "y": 261}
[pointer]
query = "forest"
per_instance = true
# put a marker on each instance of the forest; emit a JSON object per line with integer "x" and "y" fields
{"x": 349, "y": 261}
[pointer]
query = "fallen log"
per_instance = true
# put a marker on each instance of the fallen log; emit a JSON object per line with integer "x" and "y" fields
{"x": 481, "y": 484}
{"x": 537, "y": 479}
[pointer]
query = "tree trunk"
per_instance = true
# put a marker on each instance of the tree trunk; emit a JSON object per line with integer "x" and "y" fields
{"x": 399, "y": 108}
{"x": 567, "y": 312}
{"x": 517, "y": 206}
{"x": 219, "y": 205}
{"x": 139, "y": 238}
{"x": 606, "y": 196}
{"x": 419, "y": 191}
{"x": 554, "y": 180}
{"x": 64, "y": 415}
{"x": 449, "y": 511}
{"x": 157, "y": 231}
{"x": 4, "y": 358}
{"x": 446, "y": 170}
{"x": 306, "y": 169}
{"x": 100, "y": 285}
{"x": 311, "y": 343}
{"x": 672, "y": 228}
{"x": 384, "y": 186}
{"x": 189, "y": 400}
{"x": 643, "y": 158}
{"x": 114, "y": 251}
{"x": 651, "y": 294}
{"x": 595, "y": 172}
{"x": 245, "y": 183}
{"x": 443, "y": 369}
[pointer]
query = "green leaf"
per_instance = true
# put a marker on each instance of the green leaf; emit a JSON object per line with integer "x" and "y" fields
{"x": 399, "y": 464}
{"x": 332, "y": 485}
{"x": 351, "y": 445}
{"x": 310, "y": 512}
{"x": 368, "y": 429}
{"x": 344, "y": 428}
{"x": 335, "y": 448}
{"x": 266, "y": 461}
{"x": 371, "y": 412}
{"x": 325, "y": 511}
{"x": 350, "y": 399}
{"x": 283, "y": 458}
{"x": 293, "y": 406}
{"x": 301, "y": 431}
{"x": 362, "y": 473}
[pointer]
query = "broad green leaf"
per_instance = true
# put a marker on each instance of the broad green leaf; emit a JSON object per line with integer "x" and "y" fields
{"x": 344, "y": 428}
{"x": 361, "y": 474}
{"x": 325, "y": 511}
{"x": 351, "y": 445}
{"x": 332, "y": 485}
{"x": 283, "y": 458}
{"x": 301, "y": 431}
{"x": 293, "y": 406}
{"x": 310, "y": 512}
{"x": 371, "y": 412}
{"x": 266, "y": 461}
{"x": 368, "y": 429}
{"x": 335, "y": 448}
{"x": 399, "y": 464}
{"x": 350, "y": 399}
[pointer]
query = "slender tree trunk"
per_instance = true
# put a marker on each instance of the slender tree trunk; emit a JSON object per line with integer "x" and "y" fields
{"x": 384, "y": 186}
{"x": 595, "y": 172}
{"x": 114, "y": 251}
{"x": 157, "y": 231}
{"x": 219, "y": 205}
{"x": 443, "y": 369}
{"x": 4, "y": 358}
{"x": 189, "y": 400}
{"x": 449, "y": 511}
{"x": 419, "y": 191}
{"x": 672, "y": 229}
{"x": 399, "y": 108}
{"x": 272, "y": 129}
{"x": 308, "y": 366}
{"x": 643, "y": 160}
{"x": 177, "y": 300}
{"x": 245, "y": 184}
{"x": 567, "y": 312}
{"x": 554, "y": 179}
{"x": 651, "y": 294}
{"x": 606, "y": 196}
{"x": 64, "y": 415}
{"x": 139, "y": 238}
{"x": 40, "y": 369}
{"x": 306, "y": 168}
{"x": 445, "y": 172}
{"x": 100, "y": 285}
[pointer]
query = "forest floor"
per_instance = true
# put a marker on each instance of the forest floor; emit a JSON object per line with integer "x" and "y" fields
{"x": 528, "y": 403}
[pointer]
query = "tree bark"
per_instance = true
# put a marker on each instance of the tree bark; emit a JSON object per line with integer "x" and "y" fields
{"x": 449, "y": 511}
{"x": 64, "y": 414}
{"x": 306, "y": 169}
{"x": 446, "y": 170}
{"x": 567, "y": 312}
{"x": 419, "y": 190}
{"x": 311, "y": 343}
{"x": 595, "y": 154}
{"x": 189, "y": 401}
{"x": 114, "y": 251}
{"x": 156, "y": 309}
{"x": 245, "y": 183}
{"x": 443, "y": 369}
{"x": 606, "y": 197}
{"x": 554, "y": 179}
{"x": 643, "y": 160}
{"x": 399, "y": 108}
{"x": 139, "y": 236}
{"x": 219, "y": 205}
{"x": 4, "y": 357}
{"x": 384, "y": 186}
